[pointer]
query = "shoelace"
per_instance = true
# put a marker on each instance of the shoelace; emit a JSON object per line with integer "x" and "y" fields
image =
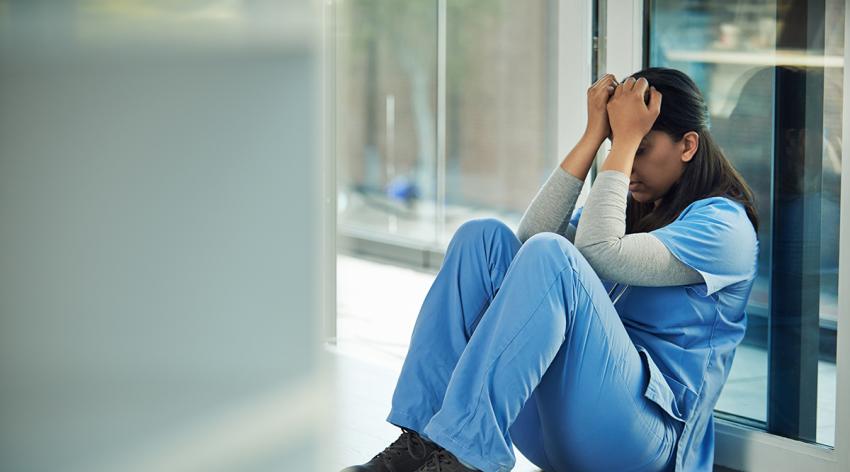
{"x": 405, "y": 442}
{"x": 438, "y": 459}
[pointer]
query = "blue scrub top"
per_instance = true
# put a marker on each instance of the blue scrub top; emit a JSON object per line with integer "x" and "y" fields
{"x": 687, "y": 334}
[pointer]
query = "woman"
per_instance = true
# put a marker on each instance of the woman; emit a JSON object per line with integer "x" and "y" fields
{"x": 600, "y": 345}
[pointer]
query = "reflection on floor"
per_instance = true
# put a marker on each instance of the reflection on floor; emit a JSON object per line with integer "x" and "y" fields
{"x": 377, "y": 308}
{"x": 744, "y": 392}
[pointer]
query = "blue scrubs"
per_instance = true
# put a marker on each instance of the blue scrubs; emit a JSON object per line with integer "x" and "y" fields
{"x": 522, "y": 344}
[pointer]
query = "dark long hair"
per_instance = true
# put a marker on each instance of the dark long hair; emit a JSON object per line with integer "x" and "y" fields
{"x": 708, "y": 174}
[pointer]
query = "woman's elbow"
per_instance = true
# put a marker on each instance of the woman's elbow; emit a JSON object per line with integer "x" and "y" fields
{"x": 582, "y": 242}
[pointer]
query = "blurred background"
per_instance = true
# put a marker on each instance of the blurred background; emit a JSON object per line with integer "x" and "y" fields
{"x": 161, "y": 236}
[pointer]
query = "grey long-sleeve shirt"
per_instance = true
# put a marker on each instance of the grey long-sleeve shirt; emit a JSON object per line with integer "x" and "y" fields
{"x": 635, "y": 259}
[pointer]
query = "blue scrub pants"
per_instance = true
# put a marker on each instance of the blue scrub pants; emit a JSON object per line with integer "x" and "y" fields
{"x": 521, "y": 344}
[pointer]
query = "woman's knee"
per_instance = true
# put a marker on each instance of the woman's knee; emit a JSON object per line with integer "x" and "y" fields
{"x": 549, "y": 242}
{"x": 477, "y": 227}
{"x": 549, "y": 245}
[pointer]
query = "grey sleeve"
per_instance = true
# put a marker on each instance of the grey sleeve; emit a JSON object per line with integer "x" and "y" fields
{"x": 635, "y": 259}
{"x": 552, "y": 206}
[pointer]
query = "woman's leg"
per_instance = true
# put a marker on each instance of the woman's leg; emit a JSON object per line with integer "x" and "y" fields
{"x": 475, "y": 264}
{"x": 552, "y": 340}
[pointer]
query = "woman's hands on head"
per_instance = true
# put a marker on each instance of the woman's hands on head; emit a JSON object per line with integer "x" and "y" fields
{"x": 630, "y": 117}
{"x": 598, "y": 127}
{"x": 617, "y": 111}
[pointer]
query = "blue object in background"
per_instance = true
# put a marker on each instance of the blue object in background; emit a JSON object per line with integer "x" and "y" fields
{"x": 402, "y": 189}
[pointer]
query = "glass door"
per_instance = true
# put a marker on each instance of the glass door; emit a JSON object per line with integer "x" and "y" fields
{"x": 772, "y": 72}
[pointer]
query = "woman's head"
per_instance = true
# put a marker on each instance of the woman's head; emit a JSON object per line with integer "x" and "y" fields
{"x": 678, "y": 161}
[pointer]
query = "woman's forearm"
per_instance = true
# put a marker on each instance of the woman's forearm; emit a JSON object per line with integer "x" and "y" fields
{"x": 552, "y": 206}
{"x": 622, "y": 155}
{"x": 580, "y": 158}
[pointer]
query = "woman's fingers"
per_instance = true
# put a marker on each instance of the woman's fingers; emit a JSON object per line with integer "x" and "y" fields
{"x": 620, "y": 88}
{"x": 600, "y": 80}
{"x": 654, "y": 100}
{"x": 625, "y": 86}
{"x": 640, "y": 86}
{"x": 607, "y": 82}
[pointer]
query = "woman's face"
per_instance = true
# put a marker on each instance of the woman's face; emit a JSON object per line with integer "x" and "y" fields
{"x": 659, "y": 163}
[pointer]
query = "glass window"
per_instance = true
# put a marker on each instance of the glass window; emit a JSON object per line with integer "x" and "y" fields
{"x": 386, "y": 116}
{"x": 498, "y": 114}
{"x": 772, "y": 74}
{"x": 499, "y": 106}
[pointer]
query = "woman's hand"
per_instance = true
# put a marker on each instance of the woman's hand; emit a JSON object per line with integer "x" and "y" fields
{"x": 598, "y": 94}
{"x": 629, "y": 115}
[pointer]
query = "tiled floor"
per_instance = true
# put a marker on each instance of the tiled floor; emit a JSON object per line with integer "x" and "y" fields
{"x": 377, "y": 308}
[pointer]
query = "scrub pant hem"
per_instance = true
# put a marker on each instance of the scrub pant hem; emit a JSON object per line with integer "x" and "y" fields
{"x": 444, "y": 439}
{"x": 408, "y": 421}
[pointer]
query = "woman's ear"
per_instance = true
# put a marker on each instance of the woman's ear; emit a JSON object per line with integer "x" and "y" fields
{"x": 690, "y": 142}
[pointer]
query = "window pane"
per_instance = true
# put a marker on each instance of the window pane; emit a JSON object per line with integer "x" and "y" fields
{"x": 499, "y": 141}
{"x": 499, "y": 114}
{"x": 772, "y": 74}
{"x": 386, "y": 109}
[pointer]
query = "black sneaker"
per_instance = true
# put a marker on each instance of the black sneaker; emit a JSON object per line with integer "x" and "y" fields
{"x": 406, "y": 454}
{"x": 444, "y": 461}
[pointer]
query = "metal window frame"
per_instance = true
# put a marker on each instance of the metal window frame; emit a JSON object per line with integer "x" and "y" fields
{"x": 575, "y": 55}
{"x": 327, "y": 152}
{"x": 739, "y": 446}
